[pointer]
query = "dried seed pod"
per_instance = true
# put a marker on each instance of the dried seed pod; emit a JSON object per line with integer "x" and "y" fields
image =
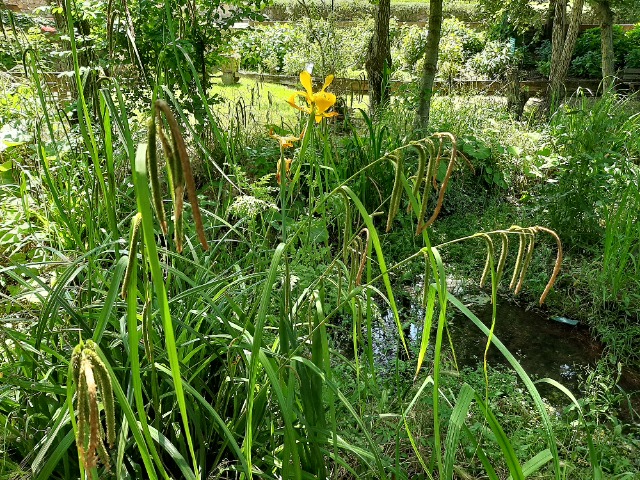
{"x": 429, "y": 175}
{"x": 134, "y": 239}
{"x": 504, "y": 252}
{"x": 173, "y": 167}
{"x": 363, "y": 260}
{"x": 94, "y": 414}
{"x": 82, "y": 397}
{"x": 356, "y": 248}
{"x": 181, "y": 151}
{"x": 152, "y": 165}
{"x": 396, "y": 194}
{"x": 106, "y": 390}
{"x": 526, "y": 262}
{"x": 520, "y": 256}
{"x": 445, "y": 180}
{"x": 557, "y": 265}
{"x": 76, "y": 358}
{"x": 422, "y": 166}
{"x": 423, "y": 206}
{"x": 104, "y": 456}
{"x": 92, "y": 377}
{"x": 437, "y": 160}
{"x": 490, "y": 256}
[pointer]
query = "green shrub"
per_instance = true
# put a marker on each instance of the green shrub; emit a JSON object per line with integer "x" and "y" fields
{"x": 587, "y": 56}
{"x": 262, "y": 56}
{"x": 597, "y": 152}
{"x": 457, "y": 44}
{"x": 588, "y": 65}
{"x": 287, "y": 48}
{"x": 632, "y": 56}
{"x": 543, "y": 53}
{"x": 494, "y": 60}
{"x": 632, "y": 60}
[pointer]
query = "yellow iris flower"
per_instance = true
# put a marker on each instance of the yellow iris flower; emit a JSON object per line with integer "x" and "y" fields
{"x": 317, "y": 103}
{"x": 287, "y": 140}
{"x": 287, "y": 166}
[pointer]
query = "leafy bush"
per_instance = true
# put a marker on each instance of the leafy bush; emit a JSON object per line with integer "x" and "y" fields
{"x": 330, "y": 48}
{"x": 11, "y": 50}
{"x": 257, "y": 54}
{"x": 494, "y": 60}
{"x": 543, "y": 53}
{"x": 632, "y": 56}
{"x": 587, "y": 56}
{"x": 632, "y": 60}
{"x": 597, "y": 154}
{"x": 457, "y": 44}
{"x": 287, "y": 49}
{"x": 588, "y": 65}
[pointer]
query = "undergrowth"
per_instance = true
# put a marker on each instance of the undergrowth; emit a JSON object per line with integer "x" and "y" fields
{"x": 231, "y": 336}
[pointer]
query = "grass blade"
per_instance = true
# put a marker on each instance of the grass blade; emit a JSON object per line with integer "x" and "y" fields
{"x": 143, "y": 195}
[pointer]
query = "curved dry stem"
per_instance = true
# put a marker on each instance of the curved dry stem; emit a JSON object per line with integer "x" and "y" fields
{"x": 347, "y": 225}
{"x": 436, "y": 164}
{"x": 170, "y": 155}
{"x": 464, "y": 157}
{"x": 557, "y": 265}
{"x": 424, "y": 166}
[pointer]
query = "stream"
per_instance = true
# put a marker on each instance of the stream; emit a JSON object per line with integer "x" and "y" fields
{"x": 542, "y": 346}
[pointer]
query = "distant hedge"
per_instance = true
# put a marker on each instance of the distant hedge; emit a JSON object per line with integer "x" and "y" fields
{"x": 290, "y": 10}
{"x": 464, "y": 10}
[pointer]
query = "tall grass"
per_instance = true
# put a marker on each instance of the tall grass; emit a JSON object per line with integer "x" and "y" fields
{"x": 223, "y": 360}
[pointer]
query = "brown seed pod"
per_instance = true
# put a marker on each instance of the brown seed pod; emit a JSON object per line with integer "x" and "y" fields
{"x": 363, "y": 259}
{"x": 93, "y": 377}
{"x": 396, "y": 194}
{"x": 504, "y": 252}
{"x": 134, "y": 239}
{"x": 445, "y": 180}
{"x": 181, "y": 151}
{"x": 519, "y": 257}
{"x": 527, "y": 260}
{"x": 490, "y": 256}
{"x": 152, "y": 165}
{"x": 557, "y": 265}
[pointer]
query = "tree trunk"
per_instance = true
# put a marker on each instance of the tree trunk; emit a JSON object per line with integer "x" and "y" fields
{"x": 378, "y": 61}
{"x": 430, "y": 65}
{"x": 548, "y": 21}
{"x": 606, "y": 40}
{"x": 563, "y": 42}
